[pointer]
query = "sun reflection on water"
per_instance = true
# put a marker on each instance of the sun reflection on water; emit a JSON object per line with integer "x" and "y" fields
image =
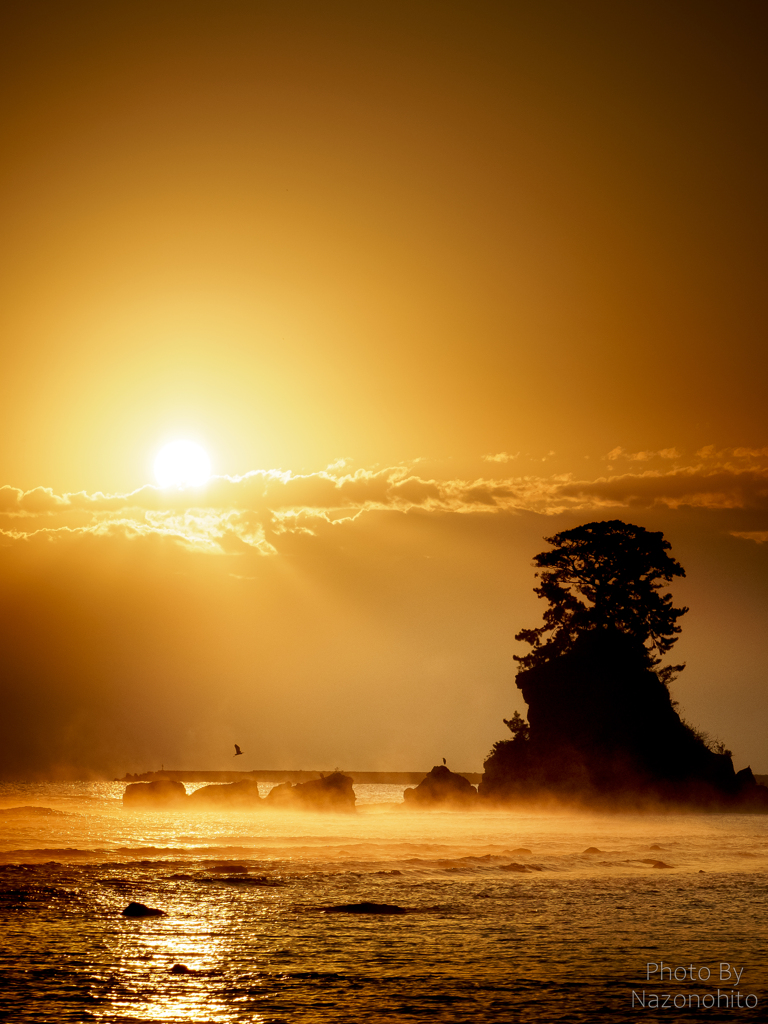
{"x": 195, "y": 936}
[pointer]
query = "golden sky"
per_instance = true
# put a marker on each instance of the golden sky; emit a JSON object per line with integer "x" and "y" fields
{"x": 429, "y": 282}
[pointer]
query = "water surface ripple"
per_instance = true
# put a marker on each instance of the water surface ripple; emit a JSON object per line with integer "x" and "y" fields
{"x": 509, "y": 919}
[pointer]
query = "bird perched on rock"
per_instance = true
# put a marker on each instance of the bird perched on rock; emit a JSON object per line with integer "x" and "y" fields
{"x": 237, "y": 751}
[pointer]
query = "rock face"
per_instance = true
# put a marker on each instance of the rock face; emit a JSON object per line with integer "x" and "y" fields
{"x": 236, "y": 795}
{"x": 603, "y": 728}
{"x": 149, "y": 795}
{"x": 331, "y": 793}
{"x": 441, "y": 788}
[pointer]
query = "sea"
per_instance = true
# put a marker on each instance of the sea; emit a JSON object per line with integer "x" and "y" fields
{"x": 526, "y": 914}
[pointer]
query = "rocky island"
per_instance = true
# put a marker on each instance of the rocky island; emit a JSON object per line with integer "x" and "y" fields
{"x": 602, "y": 727}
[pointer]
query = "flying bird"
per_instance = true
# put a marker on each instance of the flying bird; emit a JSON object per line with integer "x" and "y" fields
{"x": 443, "y": 760}
{"x": 237, "y": 751}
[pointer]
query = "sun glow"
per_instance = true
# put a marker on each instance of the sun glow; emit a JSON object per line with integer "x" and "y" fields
{"x": 182, "y": 464}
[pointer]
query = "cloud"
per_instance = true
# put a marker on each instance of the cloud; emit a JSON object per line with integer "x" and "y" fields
{"x": 645, "y": 456}
{"x": 501, "y": 457}
{"x": 758, "y": 536}
{"x": 720, "y": 488}
{"x": 39, "y": 499}
{"x": 232, "y": 514}
{"x": 710, "y": 452}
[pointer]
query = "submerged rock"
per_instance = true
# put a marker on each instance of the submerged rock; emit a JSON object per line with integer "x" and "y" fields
{"x": 180, "y": 969}
{"x": 331, "y": 793}
{"x": 139, "y": 910}
{"x": 442, "y": 787}
{"x": 365, "y": 908}
{"x": 162, "y": 793}
{"x": 33, "y": 811}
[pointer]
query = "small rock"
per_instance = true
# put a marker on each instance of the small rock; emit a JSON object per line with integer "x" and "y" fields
{"x": 333, "y": 792}
{"x": 180, "y": 969}
{"x": 592, "y": 849}
{"x": 161, "y": 793}
{"x": 365, "y": 908}
{"x": 139, "y": 910}
{"x": 243, "y": 795}
{"x": 441, "y": 788}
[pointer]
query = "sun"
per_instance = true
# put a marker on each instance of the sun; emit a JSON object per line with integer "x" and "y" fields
{"x": 182, "y": 464}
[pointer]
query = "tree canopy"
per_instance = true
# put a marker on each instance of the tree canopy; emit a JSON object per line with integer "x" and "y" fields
{"x": 605, "y": 576}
